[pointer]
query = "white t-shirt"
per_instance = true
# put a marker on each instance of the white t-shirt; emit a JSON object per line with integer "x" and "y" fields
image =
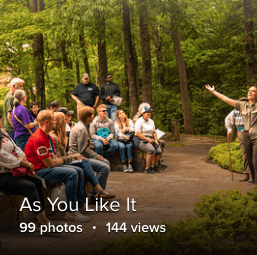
{"x": 147, "y": 128}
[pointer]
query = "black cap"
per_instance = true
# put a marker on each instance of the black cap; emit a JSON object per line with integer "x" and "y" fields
{"x": 65, "y": 110}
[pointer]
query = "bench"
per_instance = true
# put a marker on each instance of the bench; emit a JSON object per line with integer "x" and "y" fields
{"x": 11, "y": 217}
{"x": 138, "y": 162}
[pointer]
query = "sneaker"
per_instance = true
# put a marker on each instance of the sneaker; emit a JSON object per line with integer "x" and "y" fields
{"x": 149, "y": 170}
{"x": 130, "y": 168}
{"x": 93, "y": 200}
{"x": 245, "y": 178}
{"x": 162, "y": 167}
{"x": 125, "y": 168}
{"x": 83, "y": 209}
{"x": 76, "y": 216}
{"x": 156, "y": 169}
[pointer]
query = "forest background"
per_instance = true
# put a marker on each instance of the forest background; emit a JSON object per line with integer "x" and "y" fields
{"x": 159, "y": 51}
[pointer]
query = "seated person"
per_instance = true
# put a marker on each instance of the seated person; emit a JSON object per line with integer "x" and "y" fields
{"x": 53, "y": 105}
{"x": 40, "y": 151}
{"x": 124, "y": 130}
{"x": 23, "y": 122}
{"x": 82, "y": 164}
{"x": 80, "y": 142}
{"x": 161, "y": 142}
{"x": 67, "y": 114}
{"x": 34, "y": 109}
{"x": 27, "y": 186}
{"x": 146, "y": 140}
{"x": 102, "y": 132}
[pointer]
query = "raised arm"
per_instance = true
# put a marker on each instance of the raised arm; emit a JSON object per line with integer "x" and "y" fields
{"x": 224, "y": 98}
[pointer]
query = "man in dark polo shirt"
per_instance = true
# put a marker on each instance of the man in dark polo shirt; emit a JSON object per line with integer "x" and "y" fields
{"x": 85, "y": 93}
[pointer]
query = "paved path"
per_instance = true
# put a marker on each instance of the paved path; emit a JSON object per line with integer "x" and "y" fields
{"x": 167, "y": 196}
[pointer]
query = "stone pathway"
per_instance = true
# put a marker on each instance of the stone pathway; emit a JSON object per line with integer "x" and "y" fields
{"x": 168, "y": 196}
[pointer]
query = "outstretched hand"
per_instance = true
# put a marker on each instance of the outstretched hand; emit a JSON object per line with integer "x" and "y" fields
{"x": 211, "y": 89}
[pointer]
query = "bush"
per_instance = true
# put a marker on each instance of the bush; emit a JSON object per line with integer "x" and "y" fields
{"x": 227, "y": 224}
{"x": 220, "y": 155}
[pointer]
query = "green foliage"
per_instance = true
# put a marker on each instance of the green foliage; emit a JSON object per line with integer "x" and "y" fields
{"x": 3, "y": 92}
{"x": 212, "y": 43}
{"x": 220, "y": 155}
{"x": 227, "y": 224}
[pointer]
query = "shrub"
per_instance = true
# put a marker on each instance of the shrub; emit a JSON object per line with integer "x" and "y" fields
{"x": 220, "y": 155}
{"x": 227, "y": 224}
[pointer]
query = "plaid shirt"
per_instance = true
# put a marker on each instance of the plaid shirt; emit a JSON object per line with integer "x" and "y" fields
{"x": 109, "y": 90}
{"x": 234, "y": 118}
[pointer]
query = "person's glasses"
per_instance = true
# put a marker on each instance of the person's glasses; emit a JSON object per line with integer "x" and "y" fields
{"x": 86, "y": 78}
{"x": 104, "y": 111}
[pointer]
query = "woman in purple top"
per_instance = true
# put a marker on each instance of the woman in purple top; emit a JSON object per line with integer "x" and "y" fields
{"x": 23, "y": 122}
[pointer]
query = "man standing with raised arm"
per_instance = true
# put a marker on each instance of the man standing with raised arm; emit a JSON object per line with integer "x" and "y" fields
{"x": 249, "y": 114}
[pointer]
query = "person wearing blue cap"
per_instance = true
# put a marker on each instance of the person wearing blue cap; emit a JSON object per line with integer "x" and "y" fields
{"x": 146, "y": 140}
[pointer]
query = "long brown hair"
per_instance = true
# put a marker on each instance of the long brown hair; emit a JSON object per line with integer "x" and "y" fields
{"x": 59, "y": 130}
{"x": 118, "y": 120}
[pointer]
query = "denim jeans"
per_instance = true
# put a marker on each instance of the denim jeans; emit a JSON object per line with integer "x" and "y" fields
{"x": 81, "y": 184}
{"x": 26, "y": 186}
{"x": 126, "y": 150}
{"x": 11, "y": 134}
{"x": 21, "y": 141}
{"x": 99, "y": 147}
{"x": 112, "y": 109}
{"x": 89, "y": 174}
{"x": 102, "y": 168}
{"x": 58, "y": 175}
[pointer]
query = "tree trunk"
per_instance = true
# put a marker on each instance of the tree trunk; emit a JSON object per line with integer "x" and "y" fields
{"x": 38, "y": 54}
{"x": 188, "y": 124}
{"x": 138, "y": 80}
{"x": 33, "y": 5}
{"x": 249, "y": 38}
{"x": 126, "y": 83}
{"x": 41, "y": 5}
{"x": 159, "y": 56}
{"x": 77, "y": 71}
{"x": 146, "y": 54}
{"x": 133, "y": 94}
{"x": 102, "y": 56}
{"x": 84, "y": 52}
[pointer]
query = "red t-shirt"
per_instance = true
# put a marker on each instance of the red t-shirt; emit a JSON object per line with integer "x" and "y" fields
{"x": 38, "y": 148}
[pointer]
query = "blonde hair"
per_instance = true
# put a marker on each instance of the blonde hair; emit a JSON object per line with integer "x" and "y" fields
{"x": 119, "y": 121}
{"x": 59, "y": 130}
{"x": 100, "y": 107}
{"x": 84, "y": 113}
{"x": 44, "y": 115}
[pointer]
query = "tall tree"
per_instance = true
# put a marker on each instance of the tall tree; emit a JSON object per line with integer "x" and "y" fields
{"x": 187, "y": 116}
{"x": 84, "y": 52}
{"x": 38, "y": 53}
{"x": 159, "y": 56}
{"x": 102, "y": 55}
{"x": 249, "y": 39}
{"x": 130, "y": 58}
{"x": 146, "y": 54}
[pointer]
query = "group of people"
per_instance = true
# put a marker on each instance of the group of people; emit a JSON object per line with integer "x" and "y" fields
{"x": 50, "y": 146}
